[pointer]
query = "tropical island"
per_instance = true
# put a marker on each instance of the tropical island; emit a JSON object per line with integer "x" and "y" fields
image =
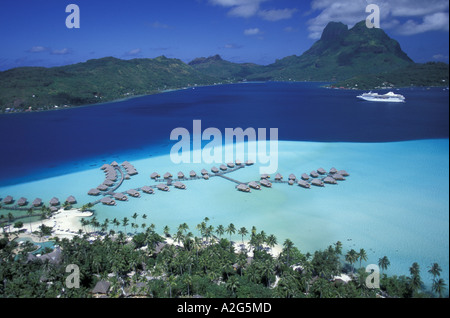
{"x": 145, "y": 263}
{"x": 356, "y": 58}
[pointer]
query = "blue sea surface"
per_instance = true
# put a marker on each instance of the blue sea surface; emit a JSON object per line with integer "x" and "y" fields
{"x": 394, "y": 203}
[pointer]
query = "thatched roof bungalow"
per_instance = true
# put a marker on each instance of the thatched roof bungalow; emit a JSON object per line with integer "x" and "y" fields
{"x": 162, "y": 187}
{"x": 254, "y": 185}
{"x": 71, "y": 200}
{"x": 223, "y": 168}
{"x": 54, "y": 201}
{"x": 238, "y": 162}
{"x": 120, "y": 196}
{"x": 333, "y": 170}
{"x": 167, "y": 175}
{"x": 265, "y": 176}
{"x": 215, "y": 170}
{"x": 304, "y": 184}
{"x": 134, "y": 193}
{"x": 94, "y": 192}
{"x": 321, "y": 171}
{"x": 37, "y": 202}
{"x": 147, "y": 189}
{"x": 317, "y": 183}
{"x": 291, "y": 182}
{"x": 343, "y": 173}
{"x": 108, "y": 183}
{"x": 180, "y": 175}
{"x": 179, "y": 185}
{"x": 22, "y": 201}
{"x": 206, "y": 176}
{"x": 243, "y": 187}
{"x": 204, "y": 171}
{"x": 192, "y": 174}
{"x": 314, "y": 174}
{"x": 338, "y": 177}
{"x": 266, "y": 183}
{"x": 102, "y": 187}
{"x": 8, "y": 200}
{"x": 154, "y": 175}
{"x": 249, "y": 162}
{"x": 278, "y": 177}
{"x": 230, "y": 165}
{"x": 114, "y": 164}
{"x": 329, "y": 180}
{"x": 108, "y": 201}
{"x": 305, "y": 176}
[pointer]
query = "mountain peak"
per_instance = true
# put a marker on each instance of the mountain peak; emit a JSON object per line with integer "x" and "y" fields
{"x": 202, "y": 60}
{"x": 334, "y": 31}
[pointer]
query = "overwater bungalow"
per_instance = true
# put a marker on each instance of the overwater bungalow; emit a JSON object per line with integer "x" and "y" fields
{"x": 102, "y": 187}
{"x": 180, "y": 175}
{"x": 305, "y": 176}
{"x": 127, "y": 177}
{"x": 291, "y": 182}
{"x": 249, "y": 162}
{"x": 120, "y": 196}
{"x": 147, "y": 189}
{"x": 265, "y": 176}
{"x": 134, "y": 193}
{"x": 204, "y": 171}
{"x": 206, "y": 176}
{"x": 37, "y": 202}
{"x": 22, "y": 201}
{"x": 238, "y": 162}
{"x": 8, "y": 200}
{"x": 168, "y": 175}
{"x": 230, "y": 165}
{"x": 108, "y": 201}
{"x": 304, "y": 184}
{"x": 179, "y": 185}
{"x": 292, "y": 176}
{"x": 104, "y": 166}
{"x": 278, "y": 177}
{"x": 154, "y": 175}
{"x": 71, "y": 200}
{"x": 314, "y": 174}
{"x": 114, "y": 164}
{"x": 329, "y": 180}
{"x": 338, "y": 177}
{"x": 266, "y": 183}
{"x": 108, "y": 183}
{"x": 54, "y": 201}
{"x": 321, "y": 171}
{"x": 333, "y": 170}
{"x": 343, "y": 173}
{"x": 243, "y": 187}
{"x": 223, "y": 168}
{"x": 162, "y": 187}
{"x": 53, "y": 209}
{"x": 215, "y": 170}
{"x": 317, "y": 183}
{"x": 192, "y": 174}
{"x": 94, "y": 192}
{"x": 254, "y": 185}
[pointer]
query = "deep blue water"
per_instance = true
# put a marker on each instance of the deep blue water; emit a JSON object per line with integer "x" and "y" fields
{"x": 34, "y": 143}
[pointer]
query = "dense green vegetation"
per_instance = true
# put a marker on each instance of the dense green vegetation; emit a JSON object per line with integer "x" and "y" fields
{"x": 208, "y": 265}
{"x": 428, "y": 74}
{"x": 368, "y": 57}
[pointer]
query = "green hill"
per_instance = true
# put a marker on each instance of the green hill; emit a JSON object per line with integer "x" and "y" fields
{"x": 94, "y": 81}
{"x": 340, "y": 54}
{"x": 428, "y": 74}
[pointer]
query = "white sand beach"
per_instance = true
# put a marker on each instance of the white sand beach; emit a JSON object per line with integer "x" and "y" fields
{"x": 65, "y": 224}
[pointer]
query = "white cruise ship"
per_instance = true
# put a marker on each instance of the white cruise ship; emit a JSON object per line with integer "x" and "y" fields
{"x": 389, "y": 97}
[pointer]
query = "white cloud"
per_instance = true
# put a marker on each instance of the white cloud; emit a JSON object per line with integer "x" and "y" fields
{"x": 276, "y": 15}
{"x": 38, "y": 49}
{"x": 423, "y": 16}
{"x": 61, "y": 51}
{"x": 133, "y": 52}
{"x": 254, "y": 31}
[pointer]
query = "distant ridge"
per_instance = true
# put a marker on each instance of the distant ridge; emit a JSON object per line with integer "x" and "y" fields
{"x": 341, "y": 54}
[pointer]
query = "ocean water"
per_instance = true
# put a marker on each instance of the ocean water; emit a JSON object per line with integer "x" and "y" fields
{"x": 394, "y": 203}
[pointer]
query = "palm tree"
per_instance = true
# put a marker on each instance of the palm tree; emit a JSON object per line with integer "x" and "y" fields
{"x": 287, "y": 246}
{"x": 362, "y": 256}
{"x": 439, "y": 287}
{"x": 220, "y": 230}
{"x": 415, "y": 281}
{"x": 351, "y": 257}
{"x": 230, "y": 230}
{"x": 243, "y": 232}
{"x": 30, "y": 213}
{"x": 125, "y": 223}
{"x": 271, "y": 240}
{"x": 166, "y": 230}
{"x": 435, "y": 270}
{"x": 384, "y": 263}
{"x": 338, "y": 247}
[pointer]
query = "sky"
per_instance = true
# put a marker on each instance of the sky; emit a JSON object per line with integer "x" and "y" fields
{"x": 34, "y": 32}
